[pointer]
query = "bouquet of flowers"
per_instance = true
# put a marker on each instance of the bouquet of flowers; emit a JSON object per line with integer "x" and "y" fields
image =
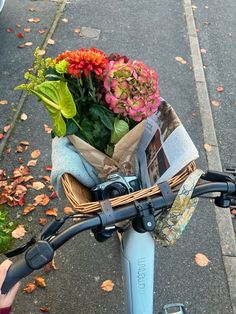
{"x": 97, "y": 97}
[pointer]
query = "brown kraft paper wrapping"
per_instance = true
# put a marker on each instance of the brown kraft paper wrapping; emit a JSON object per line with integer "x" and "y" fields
{"x": 123, "y": 158}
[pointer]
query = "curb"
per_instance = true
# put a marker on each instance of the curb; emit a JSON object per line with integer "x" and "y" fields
{"x": 223, "y": 218}
{"x": 23, "y": 97}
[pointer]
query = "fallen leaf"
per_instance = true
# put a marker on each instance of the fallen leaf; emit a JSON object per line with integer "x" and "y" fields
{"x": 21, "y": 46}
{"x": 42, "y": 31}
{"x": 23, "y": 116}
{"x": 25, "y": 143}
{"x": 10, "y": 30}
{"x": 30, "y": 287}
{"x": 198, "y": 30}
{"x": 47, "y": 129}
{"x": 19, "y": 232}
{"x": 77, "y": 30}
{"x": 19, "y": 149}
{"x": 207, "y": 147}
{"x": 34, "y": 20}
{"x": 29, "y": 208}
{"x": 21, "y": 171}
{"x": 51, "y": 212}
{"x": 18, "y": 25}
{"x": 38, "y": 185}
{"x": 27, "y": 178}
{"x": 27, "y": 30}
{"x": 1, "y": 136}
{"x": 201, "y": 260}
{"x": 28, "y": 44}
{"x": 32, "y": 9}
{"x": 46, "y": 178}
{"x": 32, "y": 163}
{"x": 42, "y": 221}
{"x": 53, "y": 195}
{"x": 68, "y": 210}
{"x": 206, "y": 23}
{"x": 20, "y": 189}
{"x": 3, "y": 102}
{"x": 215, "y": 103}
{"x": 44, "y": 309}
{"x": 64, "y": 20}
{"x": 51, "y": 41}
{"x": 107, "y": 285}
{"x": 41, "y": 199}
{"x": 41, "y": 52}
{"x": 181, "y": 60}
{"x": 6, "y": 128}
{"x": 20, "y": 35}
{"x": 48, "y": 168}
{"x": 203, "y": 50}
{"x": 36, "y": 153}
{"x": 40, "y": 281}
{"x": 220, "y": 89}
{"x": 50, "y": 266}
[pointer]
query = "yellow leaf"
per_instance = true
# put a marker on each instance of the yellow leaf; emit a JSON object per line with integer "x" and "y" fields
{"x": 51, "y": 212}
{"x": 23, "y": 116}
{"x": 41, "y": 199}
{"x": 40, "y": 281}
{"x": 3, "y": 102}
{"x": 32, "y": 163}
{"x": 107, "y": 285}
{"x": 181, "y": 60}
{"x": 201, "y": 260}
{"x": 30, "y": 287}
{"x": 36, "y": 153}
{"x": 38, "y": 185}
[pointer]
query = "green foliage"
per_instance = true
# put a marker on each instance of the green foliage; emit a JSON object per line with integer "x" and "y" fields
{"x": 6, "y": 228}
{"x": 120, "y": 129}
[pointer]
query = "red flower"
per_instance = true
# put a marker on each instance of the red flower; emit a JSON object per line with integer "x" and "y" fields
{"x": 84, "y": 60}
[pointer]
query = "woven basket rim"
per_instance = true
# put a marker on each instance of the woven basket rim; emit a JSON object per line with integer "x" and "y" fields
{"x": 89, "y": 207}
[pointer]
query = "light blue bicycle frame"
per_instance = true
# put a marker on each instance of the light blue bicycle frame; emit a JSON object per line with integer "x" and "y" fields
{"x": 137, "y": 250}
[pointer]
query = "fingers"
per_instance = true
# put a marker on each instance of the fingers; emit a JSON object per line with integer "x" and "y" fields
{"x": 10, "y": 297}
{"x": 3, "y": 270}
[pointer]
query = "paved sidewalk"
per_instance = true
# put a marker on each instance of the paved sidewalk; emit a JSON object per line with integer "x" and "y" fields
{"x": 156, "y": 34}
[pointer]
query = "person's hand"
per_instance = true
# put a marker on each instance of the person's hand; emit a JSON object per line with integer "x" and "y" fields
{"x": 6, "y": 300}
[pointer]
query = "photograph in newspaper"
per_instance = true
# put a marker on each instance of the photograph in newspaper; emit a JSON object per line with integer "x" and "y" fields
{"x": 165, "y": 147}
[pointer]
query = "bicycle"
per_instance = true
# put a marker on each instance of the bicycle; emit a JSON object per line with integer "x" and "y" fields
{"x": 137, "y": 244}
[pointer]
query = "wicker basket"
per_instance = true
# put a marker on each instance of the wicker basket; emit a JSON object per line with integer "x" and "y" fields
{"x": 80, "y": 198}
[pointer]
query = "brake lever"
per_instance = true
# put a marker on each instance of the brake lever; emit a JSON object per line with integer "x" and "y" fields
{"x": 217, "y": 176}
{"x": 51, "y": 228}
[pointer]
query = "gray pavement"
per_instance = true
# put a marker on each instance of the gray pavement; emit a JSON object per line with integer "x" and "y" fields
{"x": 155, "y": 33}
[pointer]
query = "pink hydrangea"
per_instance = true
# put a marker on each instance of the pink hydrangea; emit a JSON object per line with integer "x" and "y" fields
{"x": 131, "y": 89}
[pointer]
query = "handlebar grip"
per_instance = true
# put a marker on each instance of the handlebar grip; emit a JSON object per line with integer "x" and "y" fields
{"x": 17, "y": 271}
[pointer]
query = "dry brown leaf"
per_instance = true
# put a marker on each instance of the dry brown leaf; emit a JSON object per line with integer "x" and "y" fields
{"x": 19, "y": 232}
{"x": 201, "y": 260}
{"x": 30, "y": 287}
{"x": 21, "y": 46}
{"x": 215, "y": 103}
{"x": 68, "y": 210}
{"x": 181, "y": 60}
{"x": 51, "y": 212}
{"x": 29, "y": 208}
{"x": 107, "y": 285}
{"x": 21, "y": 171}
{"x": 77, "y": 30}
{"x": 207, "y": 147}
{"x": 1, "y": 136}
{"x": 36, "y": 153}
{"x": 27, "y": 178}
{"x": 41, "y": 199}
{"x": 8, "y": 150}
{"x": 19, "y": 149}
{"x": 27, "y": 30}
{"x": 40, "y": 281}
{"x": 45, "y": 309}
{"x": 42, "y": 221}
{"x": 42, "y": 31}
{"x": 34, "y": 20}
{"x": 3, "y": 102}
{"x": 51, "y": 41}
{"x": 38, "y": 185}
{"x": 46, "y": 178}
{"x": 47, "y": 129}
{"x": 23, "y": 116}
{"x": 25, "y": 143}
{"x": 32, "y": 163}
{"x": 220, "y": 89}
{"x": 20, "y": 189}
{"x": 50, "y": 266}
{"x": 203, "y": 50}
{"x": 6, "y": 128}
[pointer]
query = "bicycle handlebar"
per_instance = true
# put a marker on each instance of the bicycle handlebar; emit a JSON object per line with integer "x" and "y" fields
{"x": 42, "y": 251}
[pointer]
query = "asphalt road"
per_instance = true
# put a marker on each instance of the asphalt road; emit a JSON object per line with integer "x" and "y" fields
{"x": 155, "y": 33}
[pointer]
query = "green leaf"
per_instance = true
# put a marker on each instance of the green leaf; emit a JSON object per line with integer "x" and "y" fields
{"x": 104, "y": 114}
{"x": 6, "y": 228}
{"x": 59, "y": 102}
{"x": 120, "y": 129}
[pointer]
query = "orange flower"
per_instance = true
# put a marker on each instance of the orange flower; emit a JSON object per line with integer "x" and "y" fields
{"x": 84, "y": 60}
